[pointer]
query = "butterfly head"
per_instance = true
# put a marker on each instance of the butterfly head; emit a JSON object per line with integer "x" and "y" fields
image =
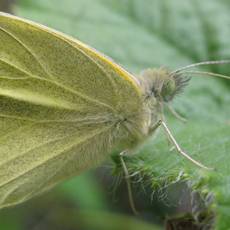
{"x": 161, "y": 85}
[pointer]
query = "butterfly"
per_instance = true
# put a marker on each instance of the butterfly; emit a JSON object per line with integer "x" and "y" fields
{"x": 65, "y": 106}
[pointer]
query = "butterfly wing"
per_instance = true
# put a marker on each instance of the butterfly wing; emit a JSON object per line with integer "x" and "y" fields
{"x": 60, "y": 102}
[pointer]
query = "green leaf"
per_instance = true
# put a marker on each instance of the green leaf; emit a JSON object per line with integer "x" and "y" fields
{"x": 85, "y": 191}
{"x": 112, "y": 221}
{"x": 99, "y": 221}
{"x": 154, "y": 33}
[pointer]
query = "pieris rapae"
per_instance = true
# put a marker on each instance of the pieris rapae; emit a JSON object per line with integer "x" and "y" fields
{"x": 64, "y": 107}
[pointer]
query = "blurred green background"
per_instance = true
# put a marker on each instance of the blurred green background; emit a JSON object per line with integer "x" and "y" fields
{"x": 137, "y": 34}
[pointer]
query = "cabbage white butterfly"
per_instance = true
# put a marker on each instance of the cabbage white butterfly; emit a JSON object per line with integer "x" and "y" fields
{"x": 64, "y": 107}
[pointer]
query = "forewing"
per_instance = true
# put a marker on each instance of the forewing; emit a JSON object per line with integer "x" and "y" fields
{"x": 60, "y": 102}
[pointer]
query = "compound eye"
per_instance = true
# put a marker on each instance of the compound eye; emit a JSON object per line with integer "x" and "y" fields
{"x": 168, "y": 90}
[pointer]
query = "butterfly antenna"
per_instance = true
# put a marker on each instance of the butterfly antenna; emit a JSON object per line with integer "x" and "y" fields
{"x": 207, "y": 74}
{"x": 220, "y": 62}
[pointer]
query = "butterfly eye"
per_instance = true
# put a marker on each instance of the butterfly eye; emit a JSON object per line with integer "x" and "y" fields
{"x": 168, "y": 90}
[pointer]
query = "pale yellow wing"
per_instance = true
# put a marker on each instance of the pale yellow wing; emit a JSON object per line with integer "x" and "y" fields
{"x": 60, "y": 107}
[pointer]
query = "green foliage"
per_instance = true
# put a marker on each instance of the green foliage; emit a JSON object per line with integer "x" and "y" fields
{"x": 105, "y": 221}
{"x": 151, "y": 33}
{"x": 88, "y": 196}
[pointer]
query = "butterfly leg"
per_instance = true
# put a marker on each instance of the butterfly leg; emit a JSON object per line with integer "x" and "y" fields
{"x": 155, "y": 127}
{"x": 178, "y": 148}
{"x": 128, "y": 183}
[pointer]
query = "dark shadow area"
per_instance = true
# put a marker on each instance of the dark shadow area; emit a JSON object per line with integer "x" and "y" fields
{"x": 5, "y": 5}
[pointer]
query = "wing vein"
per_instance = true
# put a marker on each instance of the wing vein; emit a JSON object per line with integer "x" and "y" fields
{"x": 57, "y": 84}
{"x": 51, "y": 79}
{"x": 86, "y": 120}
{"x": 27, "y": 49}
{"x": 52, "y": 158}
